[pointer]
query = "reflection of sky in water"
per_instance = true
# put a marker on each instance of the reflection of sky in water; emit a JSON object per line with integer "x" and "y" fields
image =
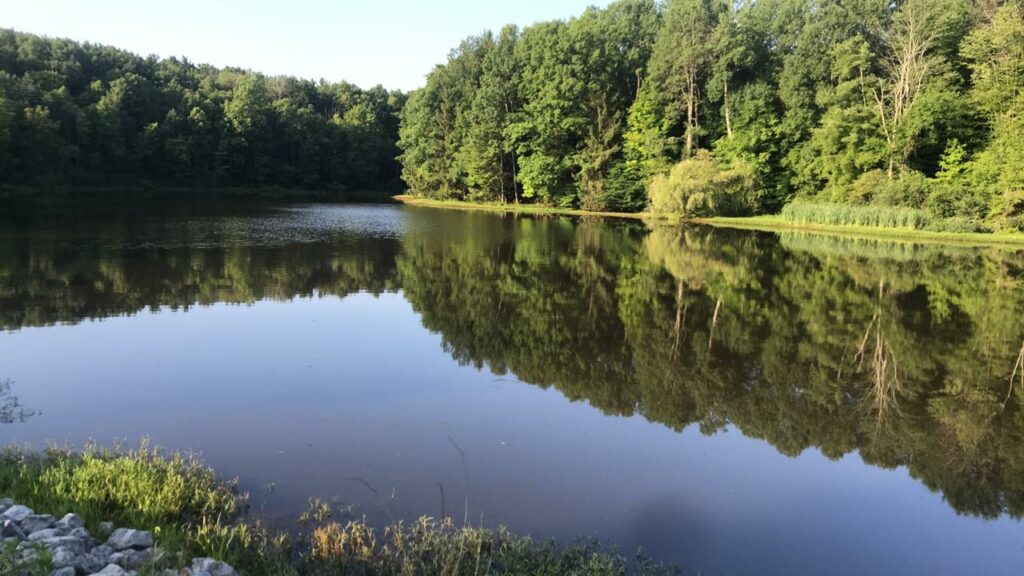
{"x": 278, "y": 227}
{"x": 311, "y": 392}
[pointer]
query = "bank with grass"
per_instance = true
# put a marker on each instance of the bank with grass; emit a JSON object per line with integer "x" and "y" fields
{"x": 873, "y": 223}
{"x": 193, "y": 515}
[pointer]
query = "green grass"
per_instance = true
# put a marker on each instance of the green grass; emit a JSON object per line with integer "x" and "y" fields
{"x": 193, "y": 513}
{"x": 512, "y": 207}
{"x": 777, "y": 223}
{"x": 859, "y": 216}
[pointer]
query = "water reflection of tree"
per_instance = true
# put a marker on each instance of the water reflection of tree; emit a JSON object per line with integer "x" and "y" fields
{"x": 789, "y": 340}
{"x": 11, "y": 410}
{"x": 863, "y": 348}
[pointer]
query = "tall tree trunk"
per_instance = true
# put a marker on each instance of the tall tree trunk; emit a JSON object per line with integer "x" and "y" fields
{"x": 728, "y": 116}
{"x": 515, "y": 177}
{"x": 691, "y": 109}
{"x": 501, "y": 176}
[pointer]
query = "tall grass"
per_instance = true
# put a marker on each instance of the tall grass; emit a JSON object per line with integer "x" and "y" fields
{"x": 430, "y": 546}
{"x": 189, "y": 509}
{"x": 142, "y": 487}
{"x": 857, "y": 215}
{"x": 193, "y": 513}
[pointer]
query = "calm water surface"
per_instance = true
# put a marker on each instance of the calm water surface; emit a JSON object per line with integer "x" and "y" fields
{"x": 734, "y": 402}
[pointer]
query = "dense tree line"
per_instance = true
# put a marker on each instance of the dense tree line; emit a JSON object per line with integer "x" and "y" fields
{"x": 720, "y": 107}
{"x": 85, "y": 114}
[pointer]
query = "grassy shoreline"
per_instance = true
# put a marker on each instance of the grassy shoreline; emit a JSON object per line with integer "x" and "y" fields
{"x": 517, "y": 208}
{"x": 192, "y": 513}
{"x": 760, "y": 223}
{"x": 776, "y": 223}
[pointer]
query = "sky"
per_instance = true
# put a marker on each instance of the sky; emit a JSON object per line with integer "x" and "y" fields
{"x": 390, "y": 42}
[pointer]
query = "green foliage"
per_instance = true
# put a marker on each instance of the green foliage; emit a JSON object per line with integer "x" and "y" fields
{"x": 813, "y": 101}
{"x": 699, "y": 186}
{"x": 821, "y": 101}
{"x": 535, "y": 115}
{"x": 994, "y": 50}
{"x": 87, "y": 114}
{"x": 138, "y": 488}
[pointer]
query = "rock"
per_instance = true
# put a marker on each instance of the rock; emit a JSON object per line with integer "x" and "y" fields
{"x": 212, "y": 567}
{"x": 63, "y": 558}
{"x": 65, "y": 571}
{"x": 44, "y": 535}
{"x": 106, "y": 528}
{"x": 76, "y": 545}
{"x": 11, "y": 529}
{"x": 69, "y": 522}
{"x": 125, "y": 538}
{"x": 131, "y": 559}
{"x": 37, "y": 522}
{"x": 102, "y": 552}
{"x": 27, "y": 555}
{"x": 114, "y": 570}
{"x": 17, "y": 513}
{"x": 90, "y": 564}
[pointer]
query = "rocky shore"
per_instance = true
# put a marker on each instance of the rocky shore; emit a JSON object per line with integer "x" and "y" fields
{"x": 32, "y": 542}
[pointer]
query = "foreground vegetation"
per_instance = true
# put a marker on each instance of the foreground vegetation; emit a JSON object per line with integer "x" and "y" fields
{"x": 911, "y": 110}
{"x": 193, "y": 513}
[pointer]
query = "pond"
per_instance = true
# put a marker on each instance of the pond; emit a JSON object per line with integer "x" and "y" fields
{"x": 733, "y": 402}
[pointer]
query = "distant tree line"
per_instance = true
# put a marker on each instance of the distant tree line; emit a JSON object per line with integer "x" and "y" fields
{"x": 734, "y": 107}
{"x": 85, "y": 114}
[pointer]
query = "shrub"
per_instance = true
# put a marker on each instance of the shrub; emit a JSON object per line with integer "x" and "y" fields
{"x": 1008, "y": 210}
{"x": 909, "y": 188}
{"x": 138, "y": 488}
{"x": 699, "y": 186}
{"x": 949, "y": 199}
{"x": 865, "y": 188}
{"x": 959, "y": 224}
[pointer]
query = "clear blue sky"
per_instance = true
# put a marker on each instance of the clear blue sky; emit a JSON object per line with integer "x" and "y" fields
{"x": 368, "y": 42}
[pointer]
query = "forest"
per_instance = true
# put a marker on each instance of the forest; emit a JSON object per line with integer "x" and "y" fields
{"x": 906, "y": 113}
{"x": 76, "y": 115}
